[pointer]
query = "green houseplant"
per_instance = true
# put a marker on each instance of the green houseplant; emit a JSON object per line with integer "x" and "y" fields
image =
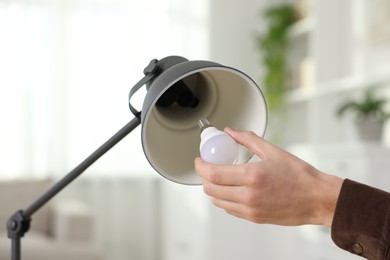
{"x": 370, "y": 114}
{"x": 273, "y": 46}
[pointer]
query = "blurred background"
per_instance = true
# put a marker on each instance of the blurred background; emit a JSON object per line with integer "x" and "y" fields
{"x": 66, "y": 67}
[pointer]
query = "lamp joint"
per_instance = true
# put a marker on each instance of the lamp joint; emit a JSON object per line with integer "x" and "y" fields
{"x": 18, "y": 225}
{"x": 152, "y": 67}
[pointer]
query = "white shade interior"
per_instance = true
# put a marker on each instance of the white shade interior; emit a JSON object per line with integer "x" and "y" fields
{"x": 227, "y": 97}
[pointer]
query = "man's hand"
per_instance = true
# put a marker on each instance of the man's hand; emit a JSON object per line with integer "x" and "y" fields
{"x": 280, "y": 189}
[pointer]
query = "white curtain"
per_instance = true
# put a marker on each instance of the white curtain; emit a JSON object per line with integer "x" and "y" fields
{"x": 66, "y": 67}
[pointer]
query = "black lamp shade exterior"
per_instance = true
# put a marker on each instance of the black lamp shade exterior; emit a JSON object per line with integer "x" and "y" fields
{"x": 170, "y": 134}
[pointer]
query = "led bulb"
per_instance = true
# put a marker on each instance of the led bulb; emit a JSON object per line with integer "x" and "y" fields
{"x": 216, "y": 146}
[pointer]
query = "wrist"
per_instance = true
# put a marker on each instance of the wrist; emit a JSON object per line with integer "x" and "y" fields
{"x": 327, "y": 193}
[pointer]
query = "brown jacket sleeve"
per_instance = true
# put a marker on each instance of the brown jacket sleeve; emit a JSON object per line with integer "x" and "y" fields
{"x": 361, "y": 224}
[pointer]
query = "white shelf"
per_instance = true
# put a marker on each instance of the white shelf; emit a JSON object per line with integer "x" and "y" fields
{"x": 328, "y": 64}
{"x": 339, "y": 86}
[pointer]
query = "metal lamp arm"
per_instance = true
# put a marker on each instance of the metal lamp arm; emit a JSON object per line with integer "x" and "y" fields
{"x": 19, "y": 223}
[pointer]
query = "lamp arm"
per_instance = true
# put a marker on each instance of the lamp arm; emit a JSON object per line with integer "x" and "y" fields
{"x": 19, "y": 223}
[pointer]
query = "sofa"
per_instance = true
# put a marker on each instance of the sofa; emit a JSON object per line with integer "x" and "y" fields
{"x": 60, "y": 230}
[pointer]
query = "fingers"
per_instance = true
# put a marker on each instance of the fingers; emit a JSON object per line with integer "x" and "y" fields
{"x": 253, "y": 142}
{"x": 223, "y": 192}
{"x": 220, "y": 174}
{"x": 250, "y": 140}
{"x": 229, "y": 186}
{"x": 231, "y": 207}
{"x": 239, "y": 210}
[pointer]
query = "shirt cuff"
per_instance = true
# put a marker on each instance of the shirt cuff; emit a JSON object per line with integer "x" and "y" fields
{"x": 361, "y": 223}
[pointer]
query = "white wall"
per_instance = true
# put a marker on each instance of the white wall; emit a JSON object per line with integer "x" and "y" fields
{"x": 232, "y": 33}
{"x": 126, "y": 214}
{"x": 192, "y": 227}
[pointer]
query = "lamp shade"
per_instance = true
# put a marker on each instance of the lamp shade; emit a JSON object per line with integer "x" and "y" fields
{"x": 182, "y": 93}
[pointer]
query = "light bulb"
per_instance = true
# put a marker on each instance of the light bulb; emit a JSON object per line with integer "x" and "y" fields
{"x": 216, "y": 146}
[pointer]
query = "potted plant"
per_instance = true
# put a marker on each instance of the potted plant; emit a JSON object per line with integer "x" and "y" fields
{"x": 370, "y": 115}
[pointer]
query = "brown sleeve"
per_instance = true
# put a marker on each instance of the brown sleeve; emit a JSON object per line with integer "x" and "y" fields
{"x": 361, "y": 224}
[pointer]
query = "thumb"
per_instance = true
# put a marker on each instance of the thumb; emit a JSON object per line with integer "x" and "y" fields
{"x": 250, "y": 140}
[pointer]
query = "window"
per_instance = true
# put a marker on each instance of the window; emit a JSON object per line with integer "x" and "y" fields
{"x": 66, "y": 68}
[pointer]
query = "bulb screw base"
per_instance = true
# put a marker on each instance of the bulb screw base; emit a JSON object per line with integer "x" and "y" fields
{"x": 203, "y": 123}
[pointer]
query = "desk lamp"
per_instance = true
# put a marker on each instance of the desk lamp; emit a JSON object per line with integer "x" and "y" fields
{"x": 179, "y": 94}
